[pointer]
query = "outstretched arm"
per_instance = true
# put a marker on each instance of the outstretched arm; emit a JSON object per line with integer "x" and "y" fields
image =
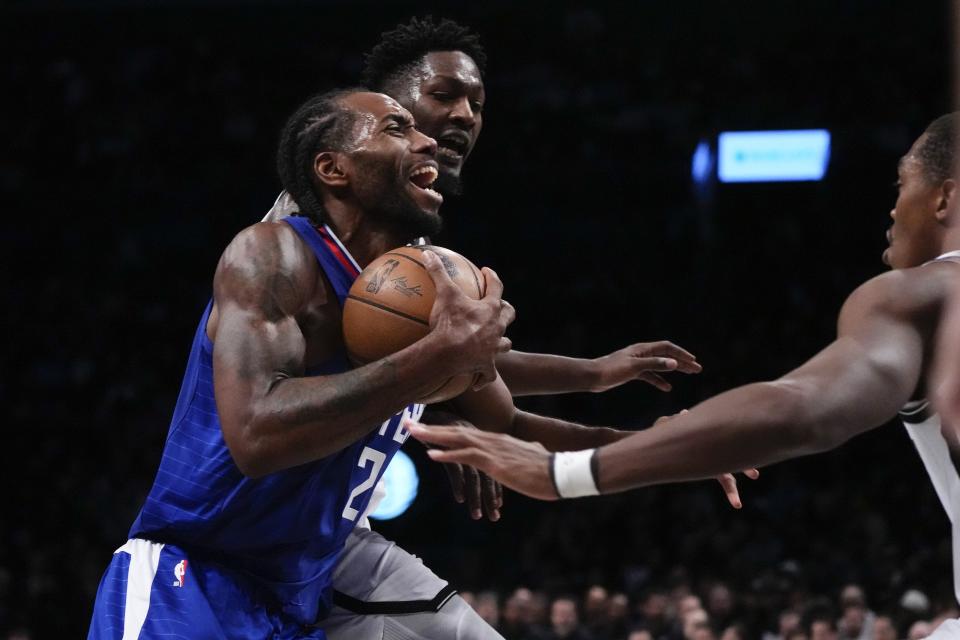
{"x": 530, "y": 374}
{"x": 855, "y": 384}
{"x": 273, "y": 416}
{"x": 492, "y": 410}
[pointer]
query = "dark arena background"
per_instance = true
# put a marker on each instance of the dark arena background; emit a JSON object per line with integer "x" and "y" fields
{"x": 139, "y": 137}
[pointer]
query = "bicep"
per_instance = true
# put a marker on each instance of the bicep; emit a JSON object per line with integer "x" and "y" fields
{"x": 873, "y": 367}
{"x": 258, "y": 341}
{"x": 251, "y": 353}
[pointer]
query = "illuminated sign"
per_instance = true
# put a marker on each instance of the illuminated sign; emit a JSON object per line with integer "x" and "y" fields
{"x": 773, "y": 156}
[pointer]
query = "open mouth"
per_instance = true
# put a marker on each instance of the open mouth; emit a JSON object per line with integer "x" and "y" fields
{"x": 422, "y": 178}
{"x": 452, "y": 147}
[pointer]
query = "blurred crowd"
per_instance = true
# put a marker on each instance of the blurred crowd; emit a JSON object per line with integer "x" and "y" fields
{"x": 714, "y": 613}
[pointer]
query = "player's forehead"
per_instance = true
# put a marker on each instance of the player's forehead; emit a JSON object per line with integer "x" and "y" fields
{"x": 376, "y": 108}
{"x": 451, "y": 65}
{"x": 910, "y": 162}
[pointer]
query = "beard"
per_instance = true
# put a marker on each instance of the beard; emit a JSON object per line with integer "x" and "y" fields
{"x": 399, "y": 212}
{"x": 386, "y": 198}
{"x": 448, "y": 184}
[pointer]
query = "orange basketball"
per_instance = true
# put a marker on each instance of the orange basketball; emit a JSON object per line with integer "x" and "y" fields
{"x": 389, "y": 307}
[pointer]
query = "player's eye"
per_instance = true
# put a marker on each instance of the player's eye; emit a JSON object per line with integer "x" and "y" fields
{"x": 442, "y": 96}
{"x": 476, "y": 106}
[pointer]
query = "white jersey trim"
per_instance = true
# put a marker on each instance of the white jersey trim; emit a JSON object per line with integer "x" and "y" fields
{"x": 144, "y": 559}
{"x": 935, "y": 455}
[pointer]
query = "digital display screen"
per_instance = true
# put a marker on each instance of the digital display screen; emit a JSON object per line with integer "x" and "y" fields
{"x": 773, "y": 156}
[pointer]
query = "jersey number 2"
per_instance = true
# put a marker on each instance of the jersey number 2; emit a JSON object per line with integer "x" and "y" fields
{"x": 368, "y": 455}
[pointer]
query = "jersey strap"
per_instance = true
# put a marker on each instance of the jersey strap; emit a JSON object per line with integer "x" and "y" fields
{"x": 953, "y": 256}
{"x": 336, "y": 261}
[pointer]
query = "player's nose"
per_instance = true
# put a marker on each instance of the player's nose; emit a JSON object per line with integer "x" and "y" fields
{"x": 422, "y": 143}
{"x": 463, "y": 114}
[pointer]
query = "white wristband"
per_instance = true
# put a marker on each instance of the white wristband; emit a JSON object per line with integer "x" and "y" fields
{"x": 572, "y": 473}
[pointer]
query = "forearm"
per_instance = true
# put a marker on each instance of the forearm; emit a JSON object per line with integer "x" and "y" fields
{"x": 301, "y": 419}
{"x": 543, "y": 374}
{"x": 751, "y": 426}
{"x": 559, "y": 435}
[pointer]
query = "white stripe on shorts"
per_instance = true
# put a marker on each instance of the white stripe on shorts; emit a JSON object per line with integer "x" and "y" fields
{"x": 144, "y": 558}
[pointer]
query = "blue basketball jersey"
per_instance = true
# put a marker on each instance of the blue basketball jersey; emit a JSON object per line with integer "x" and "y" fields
{"x": 280, "y": 534}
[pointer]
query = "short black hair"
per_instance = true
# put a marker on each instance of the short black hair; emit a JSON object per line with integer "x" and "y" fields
{"x": 401, "y": 48}
{"x": 937, "y": 151}
{"x": 321, "y": 123}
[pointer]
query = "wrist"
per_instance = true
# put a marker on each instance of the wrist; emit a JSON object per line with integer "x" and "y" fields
{"x": 442, "y": 353}
{"x": 593, "y": 375}
{"x": 574, "y": 473}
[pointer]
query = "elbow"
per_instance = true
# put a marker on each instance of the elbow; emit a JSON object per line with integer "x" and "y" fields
{"x": 803, "y": 431}
{"x": 248, "y": 454}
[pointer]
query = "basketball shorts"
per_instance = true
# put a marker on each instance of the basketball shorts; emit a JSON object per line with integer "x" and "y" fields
{"x": 383, "y": 592}
{"x": 152, "y": 590}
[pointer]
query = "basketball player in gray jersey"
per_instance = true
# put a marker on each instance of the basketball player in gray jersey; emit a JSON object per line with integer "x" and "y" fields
{"x": 874, "y": 369}
{"x": 434, "y": 69}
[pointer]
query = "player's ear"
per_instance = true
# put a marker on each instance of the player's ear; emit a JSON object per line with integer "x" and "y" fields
{"x": 947, "y": 203}
{"x": 329, "y": 170}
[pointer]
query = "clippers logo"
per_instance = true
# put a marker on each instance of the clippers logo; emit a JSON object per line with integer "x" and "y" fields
{"x": 180, "y": 572}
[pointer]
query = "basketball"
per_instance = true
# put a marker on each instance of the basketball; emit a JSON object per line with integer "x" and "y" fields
{"x": 389, "y": 306}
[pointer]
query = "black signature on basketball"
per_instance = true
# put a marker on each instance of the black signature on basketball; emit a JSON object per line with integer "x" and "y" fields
{"x": 400, "y": 284}
{"x": 375, "y": 283}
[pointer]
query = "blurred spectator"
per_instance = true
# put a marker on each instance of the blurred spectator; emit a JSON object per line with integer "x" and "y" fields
{"x": 693, "y": 623}
{"x": 640, "y": 634}
{"x": 653, "y": 612}
{"x": 596, "y": 610}
{"x": 919, "y": 630}
{"x": 537, "y": 612}
{"x": 852, "y": 595}
{"x": 734, "y": 632}
{"x": 822, "y": 628}
{"x": 565, "y": 622}
{"x": 487, "y": 606}
{"x": 516, "y": 613}
{"x": 721, "y": 605}
{"x": 618, "y": 616}
{"x": 852, "y": 625}
{"x": 884, "y": 629}
{"x": 687, "y": 604}
{"x": 788, "y": 622}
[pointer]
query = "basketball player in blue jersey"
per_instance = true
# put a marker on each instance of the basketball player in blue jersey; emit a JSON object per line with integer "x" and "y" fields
{"x": 275, "y": 445}
{"x": 876, "y": 367}
{"x": 275, "y": 442}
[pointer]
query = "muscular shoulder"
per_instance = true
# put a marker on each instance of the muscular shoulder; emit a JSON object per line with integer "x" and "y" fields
{"x": 913, "y": 295}
{"x": 267, "y": 266}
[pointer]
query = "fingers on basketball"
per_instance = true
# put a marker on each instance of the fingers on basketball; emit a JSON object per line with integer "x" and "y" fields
{"x": 494, "y": 286}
